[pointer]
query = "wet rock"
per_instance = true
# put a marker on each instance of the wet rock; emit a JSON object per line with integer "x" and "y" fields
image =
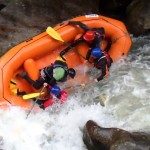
{"x": 138, "y": 17}
{"x": 115, "y": 8}
{"x": 23, "y": 19}
{"x": 3, "y": 3}
{"x": 97, "y": 138}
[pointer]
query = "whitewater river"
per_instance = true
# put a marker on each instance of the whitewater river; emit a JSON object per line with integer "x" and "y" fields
{"x": 125, "y": 95}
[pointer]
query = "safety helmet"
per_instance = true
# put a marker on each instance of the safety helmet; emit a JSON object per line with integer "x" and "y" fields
{"x": 58, "y": 73}
{"x": 89, "y": 35}
{"x": 71, "y": 72}
{"x": 96, "y": 52}
{"x": 55, "y": 90}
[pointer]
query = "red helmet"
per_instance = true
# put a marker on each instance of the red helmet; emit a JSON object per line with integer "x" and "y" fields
{"x": 89, "y": 35}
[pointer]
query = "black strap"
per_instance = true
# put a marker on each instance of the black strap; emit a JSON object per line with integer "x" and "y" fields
{"x": 71, "y": 46}
{"x": 80, "y": 24}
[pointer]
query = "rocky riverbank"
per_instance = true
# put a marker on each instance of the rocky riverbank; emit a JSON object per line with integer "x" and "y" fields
{"x": 22, "y": 19}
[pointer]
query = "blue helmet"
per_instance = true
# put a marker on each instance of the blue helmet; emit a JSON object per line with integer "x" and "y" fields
{"x": 55, "y": 90}
{"x": 96, "y": 52}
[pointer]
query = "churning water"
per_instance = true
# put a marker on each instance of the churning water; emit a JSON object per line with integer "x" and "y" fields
{"x": 121, "y": 100}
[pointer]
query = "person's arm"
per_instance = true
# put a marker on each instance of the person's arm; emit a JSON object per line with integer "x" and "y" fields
{"x": 103, "y": 73}
{"x": 101, "y": 31}
{"x": 52, "y": 82}
{"x": 98, "y": 40}
{"x": 88, "y": 54}
{"x": 99, "y": 36}
{"x": 36, "y": 84}
{"x": 101, "y": 64}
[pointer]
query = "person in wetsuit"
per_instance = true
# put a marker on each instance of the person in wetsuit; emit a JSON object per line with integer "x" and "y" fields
{"x": 49, "y": 76}
{"x": 102, "y": 61}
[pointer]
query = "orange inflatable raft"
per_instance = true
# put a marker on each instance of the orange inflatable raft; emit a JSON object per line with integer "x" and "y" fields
{"x": 42, "y": 50}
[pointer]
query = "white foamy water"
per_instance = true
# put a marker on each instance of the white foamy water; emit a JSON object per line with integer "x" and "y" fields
{"x": 126, "y": 96}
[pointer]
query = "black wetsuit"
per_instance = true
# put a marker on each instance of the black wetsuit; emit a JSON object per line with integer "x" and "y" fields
{"x": 46, "y": 75}
{"x": 103, "y": 63}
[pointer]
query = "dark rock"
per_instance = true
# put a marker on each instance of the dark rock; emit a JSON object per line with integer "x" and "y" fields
{"x": 138, "y": 17}
{"x": 115, "y": 8}
{"x": 23, "y": 19}
{"x": 97, "y": 138}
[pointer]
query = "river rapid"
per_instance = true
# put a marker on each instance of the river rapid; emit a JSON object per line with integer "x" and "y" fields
{"x": 121, "y": 100}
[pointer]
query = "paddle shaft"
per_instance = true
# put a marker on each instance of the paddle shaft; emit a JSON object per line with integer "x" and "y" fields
{"x": 50, "y": 31}
{"x": 74, "y": 49}
{"x": 32, "y": 95}
{"x": 75, "y": 86}
{"x": 35, "y": 102}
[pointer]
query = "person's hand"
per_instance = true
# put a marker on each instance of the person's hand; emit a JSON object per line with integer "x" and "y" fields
{"x": 96, "y": 80}
{"x": 85, "y": 61}
{"x": 45, "y": 84}
{"x": 65, "y": 22}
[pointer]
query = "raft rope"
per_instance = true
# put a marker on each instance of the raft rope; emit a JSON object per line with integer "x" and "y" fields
{"x": 116, "y": 39}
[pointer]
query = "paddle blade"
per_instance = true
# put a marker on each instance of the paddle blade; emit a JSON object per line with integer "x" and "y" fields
{"x": 32, "y": 95}
{"x": 59, "y": 58}
{"x": 50, "y": 31}
{"x": 13, "y": 86}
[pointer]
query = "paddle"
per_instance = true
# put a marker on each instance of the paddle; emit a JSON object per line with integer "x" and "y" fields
{"x": 32, "y": 95}
{"x": 13, "y": 86}
{"x": 36, "y": 100}
{"x": 50, "y": 31}
{"x": 75, "y": 86}
{"x": 54, "y": 34}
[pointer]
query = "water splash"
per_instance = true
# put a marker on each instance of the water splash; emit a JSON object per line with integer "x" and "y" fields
{"x": 125, "y": 94}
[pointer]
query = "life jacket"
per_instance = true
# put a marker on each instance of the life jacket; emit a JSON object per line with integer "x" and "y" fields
{"x": 108, "y": 58}
{"x": 101, "y": 62}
